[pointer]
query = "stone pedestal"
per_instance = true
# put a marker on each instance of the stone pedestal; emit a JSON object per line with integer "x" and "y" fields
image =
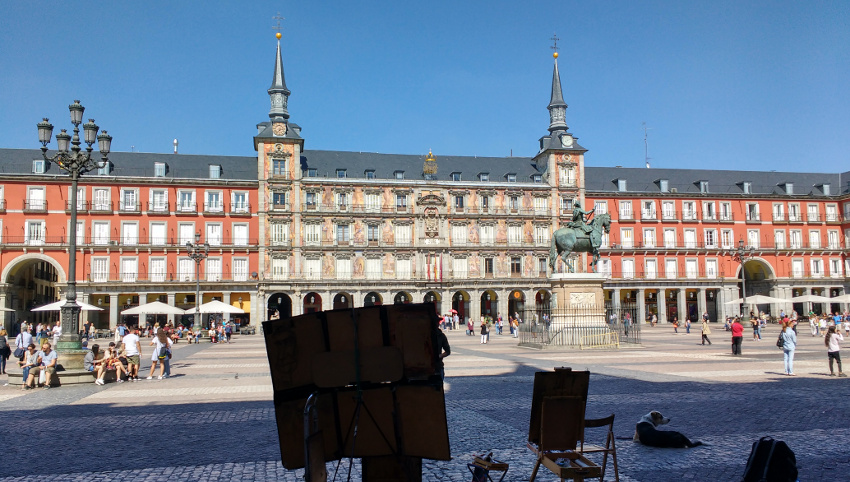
{"x": 577, "y": 290}
{"x": 578, "y": 315}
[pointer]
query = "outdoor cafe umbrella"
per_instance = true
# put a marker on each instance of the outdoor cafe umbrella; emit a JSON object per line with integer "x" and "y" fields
{"x": 216, "y": 306}
{"x": 812, "y": 299}
{"x": 57, "y": 306}
{"x": 153, "y": 308}
{"x": 756, "y": 300}
{"x": 840, "y": 299}
{"x": 3, "y": 308}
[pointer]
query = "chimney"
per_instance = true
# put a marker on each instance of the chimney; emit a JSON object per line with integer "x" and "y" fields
{"x": 175, "y": 146}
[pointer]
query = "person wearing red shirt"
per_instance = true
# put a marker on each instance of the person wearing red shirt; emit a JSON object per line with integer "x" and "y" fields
{"x": 737, "y": 336}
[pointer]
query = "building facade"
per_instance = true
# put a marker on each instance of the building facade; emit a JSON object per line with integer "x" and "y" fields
{"x": 294, "y": 230}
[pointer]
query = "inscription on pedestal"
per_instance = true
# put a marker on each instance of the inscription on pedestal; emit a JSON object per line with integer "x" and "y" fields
{"x": 582, "y": 299}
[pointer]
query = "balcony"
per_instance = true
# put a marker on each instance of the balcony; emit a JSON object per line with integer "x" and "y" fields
{"x": 35, "y": 206}
{"x": 157, "y": 208}
{"x": 753, "y": 218}
{"x": 187, "y": 209}
{"x": 101, "y": 207}
{"x": 814, "y": 218}
{"x": 214, "y": 209}
{"x": 82, "y": 206}
{"x": 2, "y": 205}
{"x": 726, "y": 218}
{"x": 795, "y": 218}
{"x": 129, "y": 207}
{"x": 626, "y": 216}
{"x": 669, "y": 216}
{"x": 833, "y": 218}
{"x": 648, "y": 216}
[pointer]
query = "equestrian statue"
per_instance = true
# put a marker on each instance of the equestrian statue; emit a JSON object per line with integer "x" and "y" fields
{"x": 579, "y": 236}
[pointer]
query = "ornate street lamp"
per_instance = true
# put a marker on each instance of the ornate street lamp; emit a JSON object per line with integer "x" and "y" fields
{"x": 198, "y": 252}
{"x": 75, "y": 162}
{"x": 742, "y": 255}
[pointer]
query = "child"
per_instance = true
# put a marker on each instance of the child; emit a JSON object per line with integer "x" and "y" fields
{"x": 832, "y": 349}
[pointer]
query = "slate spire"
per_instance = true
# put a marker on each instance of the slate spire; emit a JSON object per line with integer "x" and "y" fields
{"x": 557, "y": 106}
{"x": 278, "y": 92}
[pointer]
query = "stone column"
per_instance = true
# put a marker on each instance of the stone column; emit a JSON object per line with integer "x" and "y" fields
{"x": 616, "y": 298}
{"x": 113, "y": 311}
{"x": 641, "y": 307}
{"x": 257, "y": 309}
{"x": 681, "y": 305}
{"x": 171, "y": 299}
{"x": 701, "y": 304}
{"x": 225, "y": 298}
{"x": 474, "y": 308}
{"x": 143, "y": 300}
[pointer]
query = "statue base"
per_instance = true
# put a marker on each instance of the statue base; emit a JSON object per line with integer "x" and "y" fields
{"x": 578, "y": 315}
{"x": 578, "y": 290}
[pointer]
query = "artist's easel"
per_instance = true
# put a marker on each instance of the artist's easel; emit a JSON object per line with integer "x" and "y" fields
{"x": 556, "y": 427}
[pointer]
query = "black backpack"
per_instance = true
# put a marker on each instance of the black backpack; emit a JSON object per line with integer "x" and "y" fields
{"x": 771, "y": 461}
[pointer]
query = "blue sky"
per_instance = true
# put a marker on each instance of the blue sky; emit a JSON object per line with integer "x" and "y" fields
{"x": 722, "y": 85}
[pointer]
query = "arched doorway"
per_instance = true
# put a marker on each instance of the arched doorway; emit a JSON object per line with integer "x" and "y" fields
{"x": 460, "y": 303}
{"x": 33, "y": 280}
{"x": 489, "y": 304}
{"x": 542, "y": 304}
{"x": 279, "y": 303}
{"x": 312, "y": 302}
{"x": 434, "y": 298}
{"x": 373, "y": 299}
{"x": 756, "y": 277}
{"x": 342, "y": 301}
{"x": 402, "y": 298}
{"x": 516, "y": 302}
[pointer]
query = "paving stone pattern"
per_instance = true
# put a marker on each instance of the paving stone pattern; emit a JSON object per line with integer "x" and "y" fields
{"x": 214, "y": 420}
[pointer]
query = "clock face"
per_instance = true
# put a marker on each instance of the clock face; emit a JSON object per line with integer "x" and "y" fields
{"x": 567, "y": 141}
{"x": 279, "y": 128}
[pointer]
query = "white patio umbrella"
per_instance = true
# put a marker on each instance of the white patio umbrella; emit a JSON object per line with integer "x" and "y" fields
{"x": 756, "y": 300}
{"x": 812, "y": 299}
{"x": 840, "y": 299}
{"x": 3, "y": 308}
{"x": 153, "y": 308}
{"x": 57, "y": 306}
{"x": 216, "y": 306}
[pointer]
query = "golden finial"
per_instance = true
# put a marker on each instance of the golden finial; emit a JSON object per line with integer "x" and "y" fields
{"x": 278, "y": 35}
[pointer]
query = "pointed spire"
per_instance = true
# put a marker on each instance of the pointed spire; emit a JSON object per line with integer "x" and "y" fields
{"x": 557, "y": 106}
{"x": 278, "y": 92}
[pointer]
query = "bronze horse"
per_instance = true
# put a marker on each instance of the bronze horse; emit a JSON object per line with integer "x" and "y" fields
{"x": 573, "y": 240}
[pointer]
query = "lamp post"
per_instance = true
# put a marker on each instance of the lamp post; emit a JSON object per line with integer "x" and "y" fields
{"x": 742, "y": 255}
{"x": 75, "y": 162}
{"x": 198, "y": 252}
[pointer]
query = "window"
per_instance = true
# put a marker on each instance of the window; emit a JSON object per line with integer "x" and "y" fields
{"x": 81, "y": 198}
{"x": 689, "y": 210}
{"x": 541, "y": 235}
{"x": 649, "y": 238}
{"x": 458, "y": 234}
{"x": 690, "y": 238}
{"x": 240, "y": 269}
{"x": 514, "y": 203}
{"x": 727, "y": 239}
{"x": 81, "y": 232}
{"x": 825, "y": 188}
{"x": 814, "y": 239}
{"x": 279, "y": 234}
{"x": 779, "y": 212}
{"x": 186, "y": 201}
{"x": 340, "y": 174}
{"x": 664, "y": 185}
{"x": 817, "y": 268}
{"x": 515, "y": 235}
{"x": 711, "y": 268}
{"x": 567, "y": 175}
{"x": 669, "y": 238}
{"x": 671, "y": 268}
{"x": 402, "y": 269}
{"x": 814, "y": 214}
{"x": 455, "y": 176}
{"x": 541, "y": 205}
{"x": 668, "y": 209}
{"x": 35, "y": 232}
{"x": 726, "y": 211}
{"x": 398, "y": 174}
{"x": 625, "y": 210}
{"x": 833, "y": 239}
{"x": 747, "y": 187}
{"x": 832, "y": 213}
{"x": 794, "y": 213}
{"x": 280, "y": 269}
{"x": 753, "y": 238}
{"x": 401, "y": 201}
{"x": 185, "y": 269}
{"x": 601, "y": 207}
{"x": 621, "y": 185}
{"x": 240, "y": 234}
{"x": 129, "y": 270}
{"x": 373, "y": 203}
{"x": 789, "y": 188}
{"x": 214, "y": 203}
{"x": 710, "y": 238}
{"x": 158, "y": 201}
{"x": 213, "y": 271}
{"x": 626, "y": 238}
{"x": 342, "y": 234}
{"x": 484, "y": 177}
{"x": 459, "y": 203}
{"x": 312, "y": 234}
{"x": 796, "y": 238}
{"x": 835, "y": 267}
{"x": 779, "y": 239}
{"x": 158, "y": 233}
{"x": 239, "y": 201}
{"x": 488, "y": 234}
{"x": 185, "y": 233}
{"x": 215, "y": 171}
{"x": 373, "y": 233}
{"x": 35, "y": 199}
{"x": 628, "y": 268}
{"x": 100, "y": 199}
{"x": 213, "y": 237}
{"x": 373, "y": 268}
{"x": 100, "y": 270}
{"x": 488, "y": 266}
{"x": 311, "y": 199}
{"x": 129, "y": 234}
{"x": 703, "y": 187}
{"x": 752, "y": 212}
{"x": 536, "y": 178}
{"x": 129, "y": 200}
{"x": 402, "y": 234}
{"x": 459, "y": 268}
{"x": 370, "y": 174}
{"x": 38, "y": 166}
{"x": 542, "y": 266}
{"x": 708, "y": 211}
{"x": 516, "y": 266}
{"x": 797, "y": 268}
{"x": 105, "y": 169}
{"x": 341, "y": 201}
{"x": 100, "y": 232}
{"x": 312, "y": 172}
{"x": 511, "y": 177}
{"x": 312, "y": 268}
{"x": 691, "y": 269}
{"x": 159, "y": 169}
{"x": 279, "y": 168}
{"x": 648, "y": 210}
{"x": 157, "y": 272}
{"x": 651, "y": 268}
{"x": 343, "y": 268}
{"x": 603, "y": 266}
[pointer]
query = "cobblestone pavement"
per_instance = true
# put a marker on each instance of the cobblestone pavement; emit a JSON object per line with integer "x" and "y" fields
{"x": 214, "y": 419}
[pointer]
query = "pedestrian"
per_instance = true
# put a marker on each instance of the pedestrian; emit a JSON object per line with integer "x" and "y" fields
{"x": 627, "y": 320}
{"x": 737, "y": 336}
{"x": 755, "y": 324}
{"x": 484, "y": 331}
{"x": 500, "y": 325}
{"x": 833, "y": 336}
{"x": 455, "y": 319}
{"x": 789, "y": 344}
{"x": 654, "y": 320}
{"x": 516, "y": 328}
{"x": 162, "y": 345}
{"x": 228, "y": 331}
{"x": 813, "y": 325}
{"x": 705, "y": 331}
{"x": 5, "y": 351}
{"x": 822, "y": 325}
{"x": 687, "y": 326}
{"x": 22, "y": 341}
{"x": 443, "y": 350}
{"x": 132, "y": 348}
{"x": 676, "y": 325}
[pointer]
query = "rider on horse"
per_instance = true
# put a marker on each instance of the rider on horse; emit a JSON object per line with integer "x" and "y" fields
{"x": 580, "y": 217}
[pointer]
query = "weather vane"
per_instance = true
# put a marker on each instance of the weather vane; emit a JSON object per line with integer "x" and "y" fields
{"x": 554, "y": 40}
{"x": 278, "y": 18}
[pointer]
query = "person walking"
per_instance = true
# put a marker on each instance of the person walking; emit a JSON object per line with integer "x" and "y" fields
{"x": 833, "y": 336}
{"x": 484, "y": 331}
{"x": 737, "y": 336}
{"x": 132, "y": 348}
{"x": 676, "y": 325}
{"x": 162, "y": 345}
{"x": 22, "y": 341}
{"x": 687, "y": 326}
{"x": 755, "y": 324}
{"x": 705, "y": 331}
{"x": 5, "y": 351}
{"x": 789, "y": 344}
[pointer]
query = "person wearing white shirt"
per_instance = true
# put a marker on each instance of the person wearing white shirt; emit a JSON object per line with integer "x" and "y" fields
{"x": 132, "y": 348}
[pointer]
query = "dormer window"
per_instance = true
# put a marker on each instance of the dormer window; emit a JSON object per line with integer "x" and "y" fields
{"x": 455, "y": 176}
{"x": 484, "y": 176}
{"x": 370, "y": 174}
{"x": 105, "y": 170}
{"x": 703, "y": 187}
{"x": 825, "y": 189}
{"x": 511, "y": 177}
{"x": 398, "y": 174}
{"x": 312, "y": 172}
{"x": 664, "y": 185}
{"x": 621, "y": 185}
{"x": 159, "y": 169}
{"x": 789, "y": 188}
{"x": 340, "y": 174}
{"x": 537, "y": 178}
{"x": 747, "y": 187}
{"x": 215, "y": 171}
{"x": 38, "y": 166}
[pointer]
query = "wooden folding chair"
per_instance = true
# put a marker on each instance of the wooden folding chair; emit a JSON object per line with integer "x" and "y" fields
{"x": 609, "y": 446}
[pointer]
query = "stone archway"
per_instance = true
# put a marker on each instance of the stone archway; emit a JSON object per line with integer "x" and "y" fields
{"x": 32, "y": 279}
{"x": 279, "y": 303}
{"x": 342, "y": 301}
